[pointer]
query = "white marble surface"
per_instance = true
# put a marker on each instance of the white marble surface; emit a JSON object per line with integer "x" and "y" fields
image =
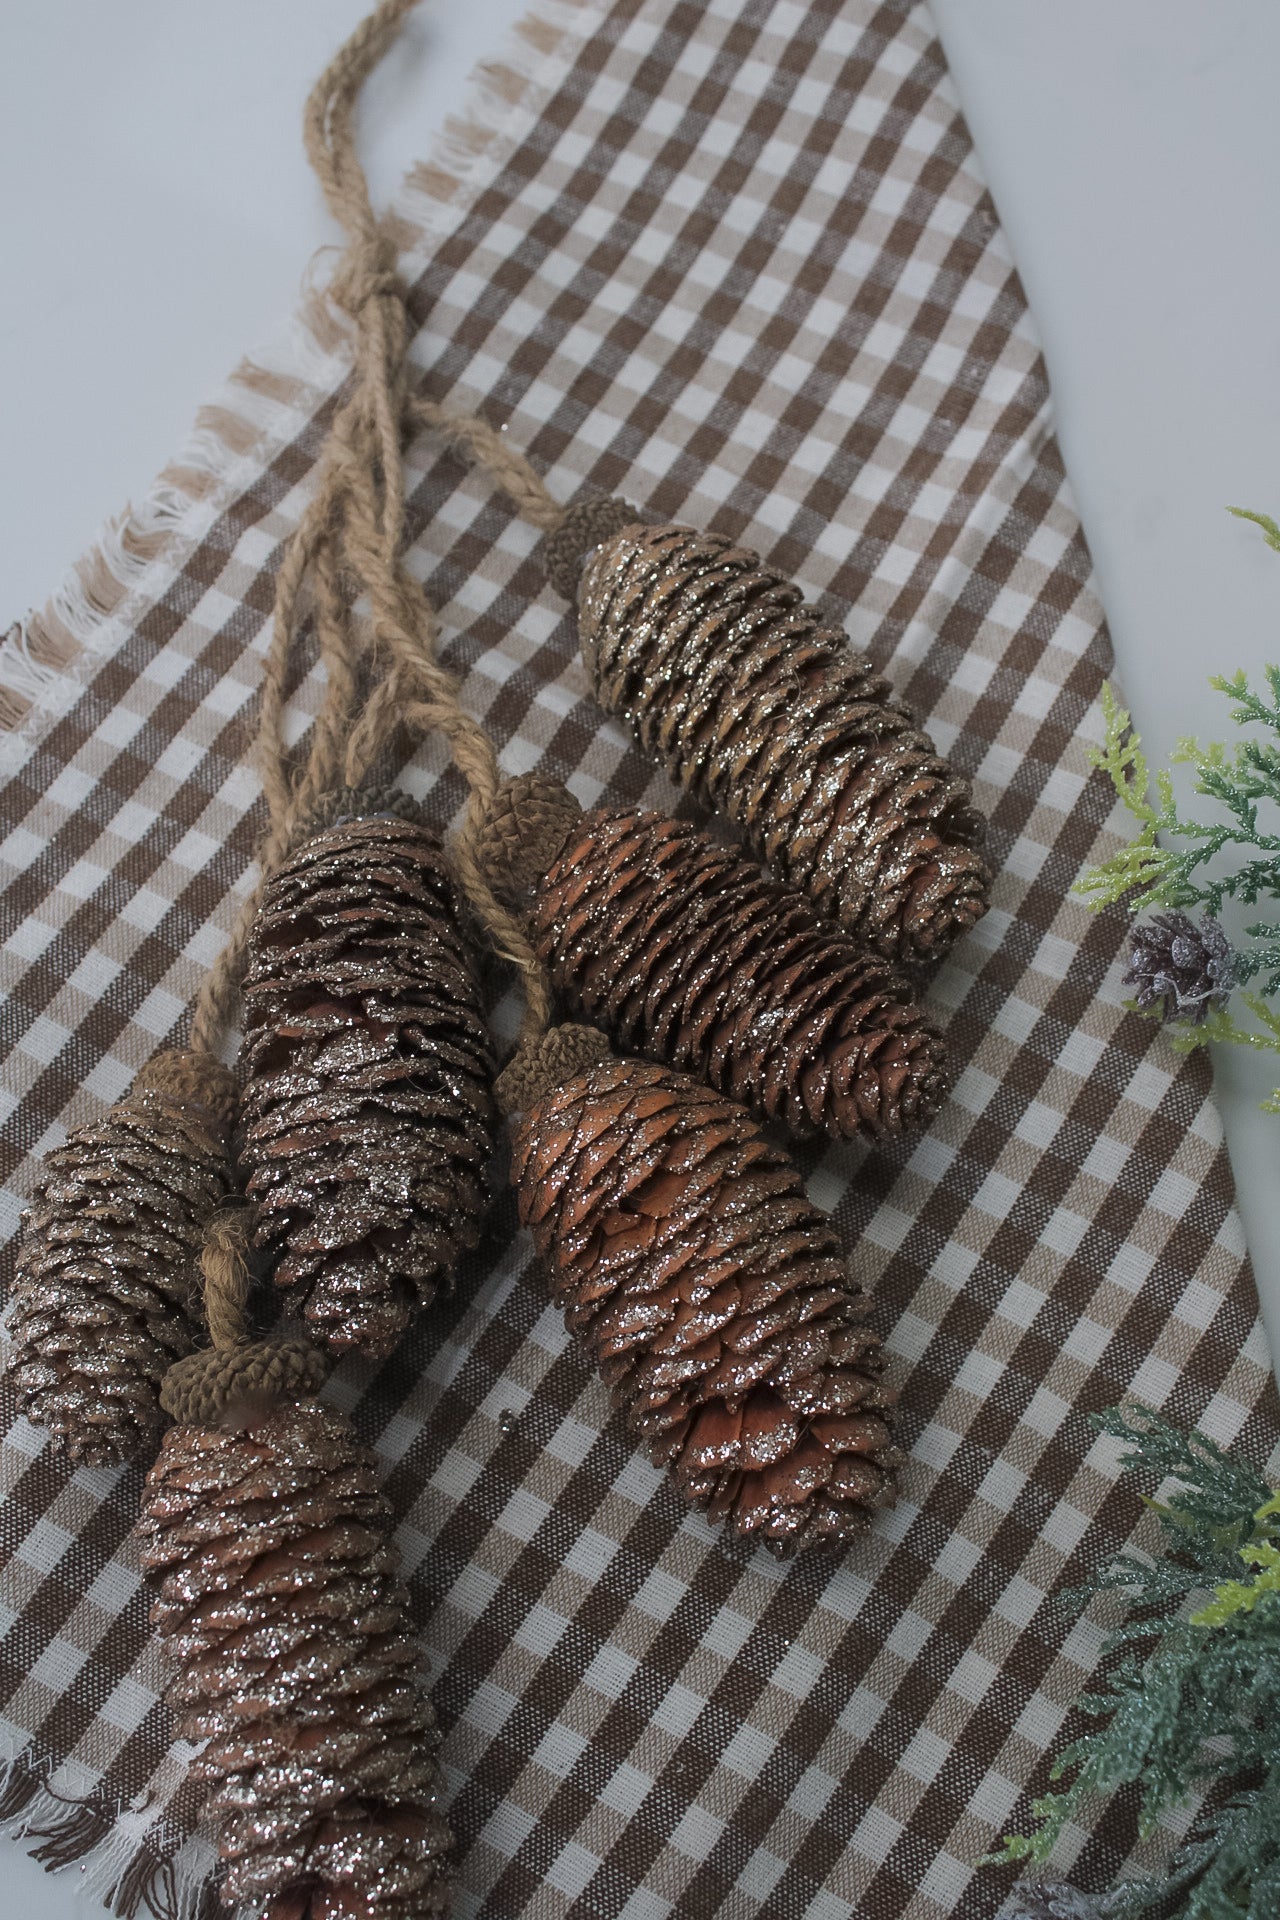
{"x": 1132, "y": 151}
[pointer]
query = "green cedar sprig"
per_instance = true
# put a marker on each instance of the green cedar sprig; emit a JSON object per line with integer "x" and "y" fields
{"x": 1191, "y": 1684}
{"x": 1148, "y": 874}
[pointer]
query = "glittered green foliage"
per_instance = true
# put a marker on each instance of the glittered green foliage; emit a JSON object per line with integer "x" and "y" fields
{"x": 1228, "y": 858}
{"x": 1189, "y": 1702}
{"x": 1149, "y": 872}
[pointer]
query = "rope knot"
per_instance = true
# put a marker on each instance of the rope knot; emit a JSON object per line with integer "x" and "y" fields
{"x": 542, "y": 1064}
{"x": 192, "y": 1077}
{"x": 367, "y": 272}
{"x": 237, "y": 1386}
{"x": 524, "y": 827}
{"x": 587, "y": 522}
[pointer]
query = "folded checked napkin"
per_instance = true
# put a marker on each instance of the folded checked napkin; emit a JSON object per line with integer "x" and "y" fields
{"x": 733, "y": 259}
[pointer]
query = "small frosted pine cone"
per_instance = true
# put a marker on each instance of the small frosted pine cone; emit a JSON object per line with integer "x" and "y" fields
{"x": 1055, "y": 1900}
{"x": 288, "y": 1634}
{"x": 1180, "y": 970}
{"x": 712, "y": 1298}
{"x": 368, "y": 1111}
{"x": 683, "y": 951}
{"x": 106, "y": 1287}
{"x": 761, "y": 712}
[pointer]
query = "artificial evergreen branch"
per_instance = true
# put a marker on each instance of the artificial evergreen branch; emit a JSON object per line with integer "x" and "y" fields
{"x": 1191, "y": 1685}
{"x": 1186, "y": 973}
{"x": 1148, "y": 874}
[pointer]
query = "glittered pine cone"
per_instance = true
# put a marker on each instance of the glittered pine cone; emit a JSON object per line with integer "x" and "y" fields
{"x": 1179, "y": 970}
{"x": 711, "y": 1297}
{"x": 292, "y": 1657}
{"x": 368, "y": 1113}
{"x": 761, "y": 712}
{"x": 684, "y": 952}
{"x": 106, "y": 1287}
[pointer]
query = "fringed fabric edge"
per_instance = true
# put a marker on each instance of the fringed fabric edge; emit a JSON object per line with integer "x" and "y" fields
{"x": 131, "y": 1859}
{"x": 50, "y": 655}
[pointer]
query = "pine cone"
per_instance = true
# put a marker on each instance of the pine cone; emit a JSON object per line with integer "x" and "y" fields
{"x": 290, "y": 1641}
{"x": 712, "y": 1298}
{"x": 1180, "y": 970}
{"x": 368, "y": 1110}
{"x": 685, "y": 953}
{"x": 1055, "y": 1900}
{"x": 761, "y": 712}
{"x": 105, "y": 1292}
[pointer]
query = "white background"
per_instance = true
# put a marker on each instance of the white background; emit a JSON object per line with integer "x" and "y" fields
{"x": 157, "y": 217}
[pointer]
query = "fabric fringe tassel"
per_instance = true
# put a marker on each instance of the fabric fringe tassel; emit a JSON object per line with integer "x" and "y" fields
{"x": 483, "y": 131}
{"x": 121, "y": 1851}
{"x": 47, "y": 657}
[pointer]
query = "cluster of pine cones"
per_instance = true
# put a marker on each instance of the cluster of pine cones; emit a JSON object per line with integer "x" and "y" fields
{"x": 366, "y": 1123}
{"x": 770, "y": 718}
{"x": 367, "y": 1118}
{"x": 709, "y": 1293}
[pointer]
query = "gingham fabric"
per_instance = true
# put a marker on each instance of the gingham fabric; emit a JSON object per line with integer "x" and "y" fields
{"x": 734, "y": 259}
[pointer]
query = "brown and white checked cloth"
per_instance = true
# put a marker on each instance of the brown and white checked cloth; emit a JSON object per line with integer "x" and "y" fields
{"x": 733, "y": 258}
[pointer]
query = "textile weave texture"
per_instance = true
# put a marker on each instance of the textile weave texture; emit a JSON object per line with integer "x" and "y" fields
{"x": 735, "y": 260}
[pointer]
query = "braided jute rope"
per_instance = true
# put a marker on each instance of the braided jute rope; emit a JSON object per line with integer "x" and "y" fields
{"x": 191, "y": 1078}
{"x": 570, "y": 531}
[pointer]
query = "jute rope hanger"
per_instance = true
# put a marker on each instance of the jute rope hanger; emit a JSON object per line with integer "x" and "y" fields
{"x": 352, "y": 534}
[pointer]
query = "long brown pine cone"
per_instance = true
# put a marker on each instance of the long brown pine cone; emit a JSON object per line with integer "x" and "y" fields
{"x": 712, "y": 1298}
{"x": 293, "y": 1658}
{"x": 105, "y": 1291}
{"x": 684, "y": 952}
{"x": 368, "y": 1110}
{"x": 758, "y": 710}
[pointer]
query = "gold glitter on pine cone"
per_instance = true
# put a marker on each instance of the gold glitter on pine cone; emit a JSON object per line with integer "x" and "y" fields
{"x": 684, "y": 952}
{"x": 288, "y": 1634}
{"x": 368, "y": 1109}
{"x": 106, "y": 1288}
{"x": 713, "y": 1300}
{"x": 761, "y": 712}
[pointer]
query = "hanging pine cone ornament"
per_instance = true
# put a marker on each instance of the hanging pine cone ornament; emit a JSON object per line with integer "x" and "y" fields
{"x": 368, "y": 1113}
{"x": 268, "y": 1538}
{"x": 1180, "y": 971}
{"x": 683, "y": 951}
{"x": 709, "y": 1293}
{"x": 761, "y": 712}
{"x": 105, "y": 1292}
